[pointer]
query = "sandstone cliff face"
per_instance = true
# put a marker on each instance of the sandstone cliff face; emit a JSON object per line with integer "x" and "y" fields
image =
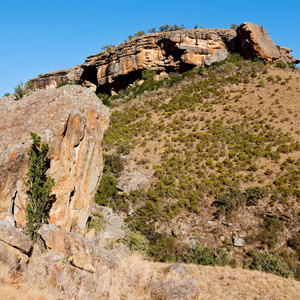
{"x": 165, "y": 52}
{"x": 254, "y": 41}
{"x": 72, "y": 120}
{"x": 50, "y": 80}
{"x": 170, "y": 51}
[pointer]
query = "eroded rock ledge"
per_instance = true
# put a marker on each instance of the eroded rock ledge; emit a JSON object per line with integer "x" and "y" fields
{"x": 72, "y": 121}
{"x": 165, "y": 52}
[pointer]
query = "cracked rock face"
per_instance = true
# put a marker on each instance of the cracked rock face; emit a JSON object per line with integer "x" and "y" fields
{"x": 79, "y": 251}
{"x": 72, "y": 121}
{"x": 256, "y": 42}
{"x": 169, "y": 51}
{"x": 165, "y": 52}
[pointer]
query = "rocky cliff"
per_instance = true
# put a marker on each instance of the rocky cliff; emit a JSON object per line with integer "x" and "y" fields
{"x": 180, "y": 51}
{"x": 72, "y": 120}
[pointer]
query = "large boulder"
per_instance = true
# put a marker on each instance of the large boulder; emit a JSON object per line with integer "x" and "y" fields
{"x": 72, "y": 120}
{"x": 77, "y": 250}
{"x": 108, "y": 226}
{"x": 14, "y": 244}
{"x": 14, "y": 237}
{"x": 130, "y": 181}
{"x": 51, "y": 80}
{"x": 255, "y": 42}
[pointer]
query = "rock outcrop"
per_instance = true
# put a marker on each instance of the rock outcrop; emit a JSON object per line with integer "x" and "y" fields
{"x": 134, "y": 180}
{"x": 77, "y": 250}
{"x": 14, "y": 244}
{"x": 71, "y": 120}
{"x": 167, "y": 51}
{"x": 51, "y": 80}
{"x": 254, "y": 42}
{"x": 14, "y": 237}
{"x": 108, "y": 226}
{"x": 114, "y": 69}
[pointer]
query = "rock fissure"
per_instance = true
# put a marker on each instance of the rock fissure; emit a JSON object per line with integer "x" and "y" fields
{"x": 79, "y": 167}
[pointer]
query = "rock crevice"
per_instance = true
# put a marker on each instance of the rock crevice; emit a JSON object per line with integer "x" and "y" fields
{"x": 72, "y": 121}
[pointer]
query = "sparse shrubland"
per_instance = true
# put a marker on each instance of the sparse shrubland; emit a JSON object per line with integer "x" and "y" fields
{"x": 214, "y": 143}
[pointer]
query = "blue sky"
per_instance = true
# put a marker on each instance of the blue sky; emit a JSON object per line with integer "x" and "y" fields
{"x": 44, "y": 36}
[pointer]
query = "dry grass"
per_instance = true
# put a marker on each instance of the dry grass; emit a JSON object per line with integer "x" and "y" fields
{"x": 132, "y": 277}
{"x": 12, "y": 287}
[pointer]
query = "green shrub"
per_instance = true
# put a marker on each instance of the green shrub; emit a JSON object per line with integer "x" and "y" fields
{"x": 113, "y": 164}
{"x": 97, "y": 222}
{"x": 108, "y": 48}
{"x": 107, "y": 190}
{"x": 39, "y": 187}
{"x": 63, "y": 83}
{"x": 253, "y": 194}
{"x": 229, "y": 201}
{"x": 136, "y": 241}
{"x": 22, "y": 90}
{"x": 270, "y": 264}
{"x": 270, "y": 231}
{"x": 281, "y": 64}
{"x": 206, "y": 256}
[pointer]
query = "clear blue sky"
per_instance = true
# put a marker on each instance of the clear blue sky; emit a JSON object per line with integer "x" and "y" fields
{"x": 44, "y": 36}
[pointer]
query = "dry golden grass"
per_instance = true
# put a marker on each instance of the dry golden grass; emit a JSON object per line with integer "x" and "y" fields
{"x": 132, "y": 278}
{"x": 12, "y": 287}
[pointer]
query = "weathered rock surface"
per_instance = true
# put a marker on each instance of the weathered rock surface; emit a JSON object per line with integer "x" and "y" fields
{"x": 238, "y": 242}
{"x": 111, "y": 226}
{"x": 175, "y": 289}
{"x": 14, "y": 244}
{"x": 168, "y": 51}
{"x": 77, "y": 250}
{"x": 163, "y": 52}
{"x": 255, "y": 42}
{"x": 14, "y": 237}
{"x": 50, "y": 80}
{"x": 7, "y": 256}
{"x": 71, "y": 120}
{"x": 130, "y": 181}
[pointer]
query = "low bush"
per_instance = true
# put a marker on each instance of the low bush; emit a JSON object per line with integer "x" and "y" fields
{"x": 253, "y": 194}
{"x": 97, "y": 222}
{"x": 281, "y": 64}
{"x": 136, "y": 241}
{"x": 268, "y": 263}
{"x": 22, "y": 90}
{"x": 229, "y": 201}
{"x": 63, "y": 83}
{"x": 107, "y": 190}
{"x": 206, "y": 256}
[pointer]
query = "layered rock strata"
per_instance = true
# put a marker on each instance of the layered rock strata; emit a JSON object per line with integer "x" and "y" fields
{"x": 169, "y": 51}
{"x": 72, "y": 121}
{"x": 51, "y": 80}
{"x": 112, "y": 70}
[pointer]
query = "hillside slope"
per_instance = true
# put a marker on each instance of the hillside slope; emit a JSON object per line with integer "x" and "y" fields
{"x": 219, "y": 154}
